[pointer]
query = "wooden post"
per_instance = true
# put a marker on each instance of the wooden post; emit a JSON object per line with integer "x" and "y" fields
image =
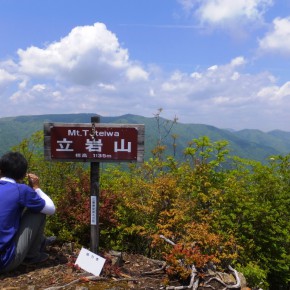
{"x": 95, "y": 193}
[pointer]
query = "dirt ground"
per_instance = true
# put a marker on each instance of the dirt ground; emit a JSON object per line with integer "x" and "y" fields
{"x": 121, "y": 271}
{"x": 59, "y": 272}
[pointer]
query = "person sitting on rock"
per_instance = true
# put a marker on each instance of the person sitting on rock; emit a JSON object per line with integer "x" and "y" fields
{"x": 23, "y": 210}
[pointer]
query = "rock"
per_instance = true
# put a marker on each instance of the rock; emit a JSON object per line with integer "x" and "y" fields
{"x": 214, "y": 279}
{"x": 243, "y": 282}
{"x": 116, "y": 258}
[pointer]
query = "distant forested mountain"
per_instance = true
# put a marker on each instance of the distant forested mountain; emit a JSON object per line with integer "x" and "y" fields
{"x": 250, "y": 144}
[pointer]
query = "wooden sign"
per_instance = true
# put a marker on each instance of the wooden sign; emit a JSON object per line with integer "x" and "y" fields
{"x": 94, "y": 142}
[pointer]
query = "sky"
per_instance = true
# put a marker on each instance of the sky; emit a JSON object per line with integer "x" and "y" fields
{"x": 223, "y": 63}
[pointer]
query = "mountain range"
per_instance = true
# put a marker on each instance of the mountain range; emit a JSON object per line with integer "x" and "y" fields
{"x": 247, "y": 143}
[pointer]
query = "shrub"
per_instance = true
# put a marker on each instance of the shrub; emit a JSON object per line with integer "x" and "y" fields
{"x": 255, "y": 276}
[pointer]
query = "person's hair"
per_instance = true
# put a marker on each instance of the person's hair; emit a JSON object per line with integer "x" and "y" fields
{"x": 13, "y": 165}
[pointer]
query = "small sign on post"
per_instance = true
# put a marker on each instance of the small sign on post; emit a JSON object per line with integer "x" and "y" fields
{"x": 93, "y": 210}
{"x": 94, "y": 142}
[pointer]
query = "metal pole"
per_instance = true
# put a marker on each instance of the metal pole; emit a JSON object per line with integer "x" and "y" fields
{"x": 95, "y": 193}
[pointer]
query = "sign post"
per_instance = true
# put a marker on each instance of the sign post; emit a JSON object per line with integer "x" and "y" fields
{"x": 95, "y": 194}
{"x": 94, "y": 142}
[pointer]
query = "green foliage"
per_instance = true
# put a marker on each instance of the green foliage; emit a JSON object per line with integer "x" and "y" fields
{"x": 175, "y": 200}
{"x": 255, "y": 276}
{"x": 254, "y": 207}
{"x": 213, "y": 207}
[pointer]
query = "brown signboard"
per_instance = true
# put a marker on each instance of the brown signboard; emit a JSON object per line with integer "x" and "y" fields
{"x": 87, "y": 142}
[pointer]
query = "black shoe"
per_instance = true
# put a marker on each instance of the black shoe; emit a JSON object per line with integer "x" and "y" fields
{"x": 47, "y": 241}
{"x": 42, "y": 257}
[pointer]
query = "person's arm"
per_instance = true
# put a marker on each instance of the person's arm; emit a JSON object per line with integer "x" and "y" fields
{"x": 49, "y": 207}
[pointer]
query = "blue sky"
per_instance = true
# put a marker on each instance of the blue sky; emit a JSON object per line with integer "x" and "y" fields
{"x": 218, "y": 62}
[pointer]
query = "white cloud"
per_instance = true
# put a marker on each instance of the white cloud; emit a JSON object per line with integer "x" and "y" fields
{"x": 219, "y": 12}
{"x": 8, "y": 73}
{"x": 213, "y": 68}
{"x": 215, "y": 90}
{"x": 277, "y": 40}
{"x": 39, "y": 88}
{"x": 221, "y": 100}
{"x": 57, "y": 96}
{"x": 87, "y": 55}
{"x": 135, "y": 73}
{"x": 187, "y": 4}
{"x": 88, "y": 71}
{"x": 235, "y": 76}
{"x": 196, "y": 75}
{"x": 25, "y": 95}
{"x": 108, "y": 87}
{"x": 275, "y": 94}
{"x": 238, "y": 61}
{"x": 221, "y": 90}
{"x": 6, "y": 77}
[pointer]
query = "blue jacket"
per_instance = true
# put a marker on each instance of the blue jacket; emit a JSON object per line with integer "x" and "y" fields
{"x": 14, "y": 197}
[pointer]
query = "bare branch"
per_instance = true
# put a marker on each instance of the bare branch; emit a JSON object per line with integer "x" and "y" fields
{"x": 156, "y": 271}
{"x": 192, "y": 285}
{"x": 167, "y": 240}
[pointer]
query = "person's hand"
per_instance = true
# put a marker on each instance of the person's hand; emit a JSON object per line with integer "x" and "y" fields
{"x": 33, "y": 180}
